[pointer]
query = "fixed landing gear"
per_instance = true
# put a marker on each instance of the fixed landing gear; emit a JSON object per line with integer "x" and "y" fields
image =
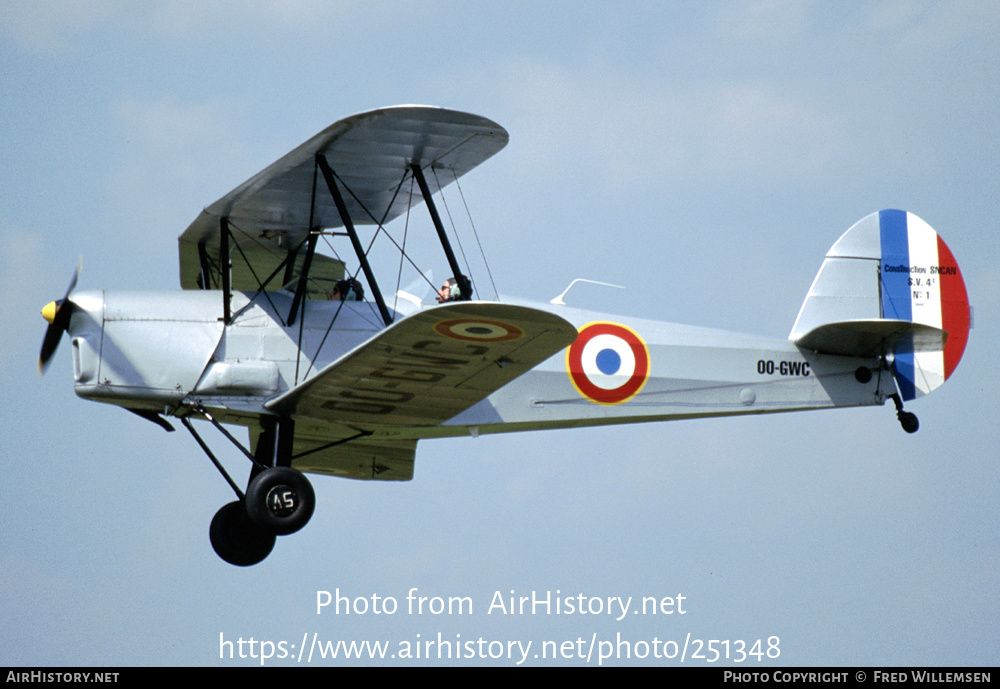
{"x": 279, "y": 500}
{"x": 236, "y": 539}
{"x": 908, "y": 420}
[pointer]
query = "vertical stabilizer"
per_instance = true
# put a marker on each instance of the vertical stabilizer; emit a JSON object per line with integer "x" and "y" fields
{"x": 890, "y": 279}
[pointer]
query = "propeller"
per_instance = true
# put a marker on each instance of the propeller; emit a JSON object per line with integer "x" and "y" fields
{"x": 57, "y": 313}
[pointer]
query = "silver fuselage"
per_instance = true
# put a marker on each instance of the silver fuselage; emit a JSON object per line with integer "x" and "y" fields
{"x": 169, "y": 352}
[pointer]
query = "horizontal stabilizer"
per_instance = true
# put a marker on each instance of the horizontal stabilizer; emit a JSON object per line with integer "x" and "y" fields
{"x": 872, "y": 337}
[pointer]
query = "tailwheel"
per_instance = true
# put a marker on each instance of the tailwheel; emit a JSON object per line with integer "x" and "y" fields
{"x": 280, "y": 500}
{"x": 908, "y": 420}
{"x": 236, "y": 539}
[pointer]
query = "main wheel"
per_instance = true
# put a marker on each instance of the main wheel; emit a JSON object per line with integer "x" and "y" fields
{"x": 281, "y": 500}
{"x": 236, "y": 539}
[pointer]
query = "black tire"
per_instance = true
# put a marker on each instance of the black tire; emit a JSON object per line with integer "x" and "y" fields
{"x": 908, "y": 421}
{"x": 236, "y": 539}
{"x": 281, "y": 500}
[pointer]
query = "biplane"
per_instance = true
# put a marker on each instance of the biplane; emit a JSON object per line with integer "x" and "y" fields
{"x": 331, "y": 376}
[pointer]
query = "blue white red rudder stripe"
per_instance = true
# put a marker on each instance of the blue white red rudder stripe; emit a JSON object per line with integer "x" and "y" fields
{"x": 921, "y": 283}
{"x": 890, "y": 266}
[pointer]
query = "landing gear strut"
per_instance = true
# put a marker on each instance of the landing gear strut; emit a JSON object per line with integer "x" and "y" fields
{"x": 279, "y": 500}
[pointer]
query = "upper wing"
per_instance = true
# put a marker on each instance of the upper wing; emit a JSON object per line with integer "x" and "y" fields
{"x": 428, "y": 367}
{"x": 271, "y": 214}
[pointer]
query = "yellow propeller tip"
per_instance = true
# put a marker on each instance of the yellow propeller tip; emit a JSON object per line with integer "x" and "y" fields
{"x": 49, "y": 311}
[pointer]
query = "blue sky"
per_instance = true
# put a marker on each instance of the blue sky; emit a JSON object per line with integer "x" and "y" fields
{"x": 704, "y": 155}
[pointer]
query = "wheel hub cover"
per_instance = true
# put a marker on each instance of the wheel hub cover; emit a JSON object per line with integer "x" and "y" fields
{"x": 282, "y": 501}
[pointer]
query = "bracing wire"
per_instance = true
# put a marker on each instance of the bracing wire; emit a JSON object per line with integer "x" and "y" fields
{"x": 454, "y": 231}
{"x": 381, "y": 223}
{"x": 329, "y": 328}
{"x": 476, "y": 235}
{"x": 261, "y": 285}
{"x": 402, "y": 253}
{"x": 380, "y": 229}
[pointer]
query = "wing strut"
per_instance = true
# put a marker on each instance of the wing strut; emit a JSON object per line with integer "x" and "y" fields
{"x": 224, "y": 268}
{"x": 463, "y": 282}
{"x": 300, "y": 290}
{"x": 204, "y": 277}
{"x": 331, "y": 183}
